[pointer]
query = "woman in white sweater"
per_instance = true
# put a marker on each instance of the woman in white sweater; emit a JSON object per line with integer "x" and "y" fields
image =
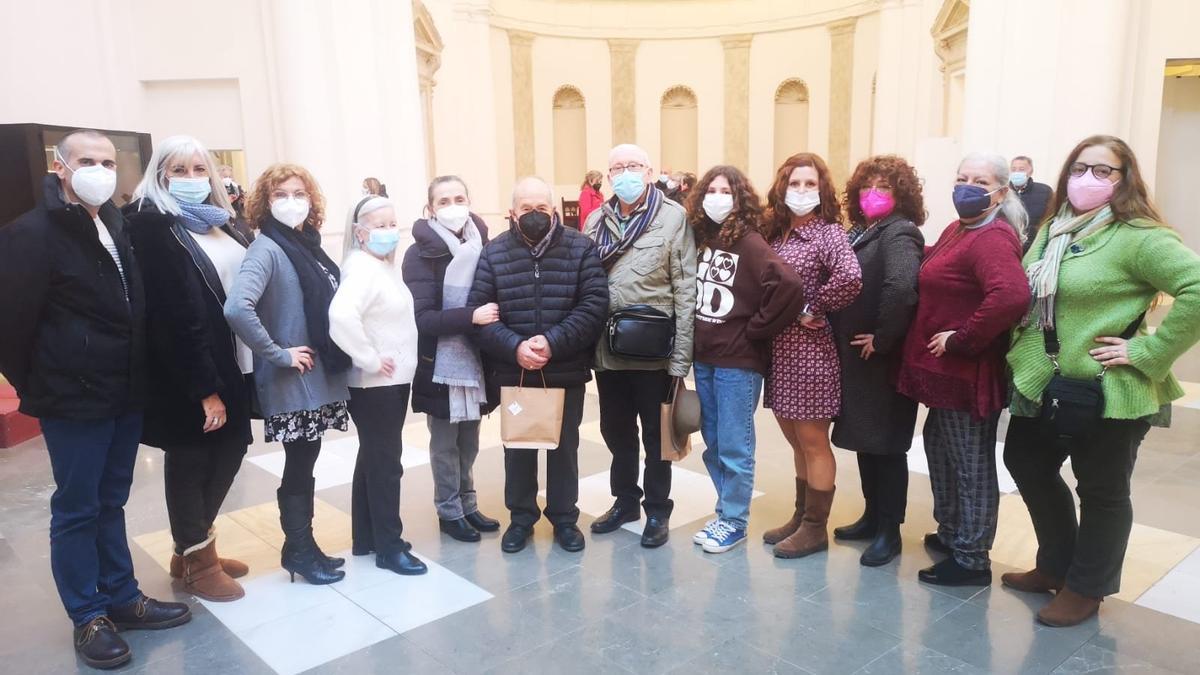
{"x": 371, "y": 319}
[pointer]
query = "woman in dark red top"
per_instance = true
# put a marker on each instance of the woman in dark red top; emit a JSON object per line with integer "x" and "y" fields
{"x": 590, "y": 198}
{"x": 972, "y": 291}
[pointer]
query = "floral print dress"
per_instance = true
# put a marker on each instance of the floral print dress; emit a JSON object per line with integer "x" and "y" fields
{"x": 805, "y": 378}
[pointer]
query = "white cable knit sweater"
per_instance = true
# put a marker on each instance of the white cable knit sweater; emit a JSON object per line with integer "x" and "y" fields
{"x": 371, "y": 317}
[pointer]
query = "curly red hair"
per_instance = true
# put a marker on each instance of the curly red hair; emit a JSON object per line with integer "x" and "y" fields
{"x": 258, "y": 200}
{"x": 747, "y": 209}
{"x": 777, "y": 217}
{"x": 906, "y": 188}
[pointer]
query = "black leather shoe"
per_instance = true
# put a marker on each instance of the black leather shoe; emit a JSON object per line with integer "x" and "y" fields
{"x": 150, "y": 614}
{"x": 615, "y": 518}
{"x": 569, "y": 538}
{"x": 884, "y": 548}
{"x": 401, "y": 562}
{"x": 860, "y": 530}
{"x": 950, "y": 573}
{"x": 656, "y": 533}
{"x": 98, "y": 644}
{"x": 459, "y": 529}
{"x": 514, "y": 538}
{"x": 934, "y": 543}
{"x": 482, "y": 522}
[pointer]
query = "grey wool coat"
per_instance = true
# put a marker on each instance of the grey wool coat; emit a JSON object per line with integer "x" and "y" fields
{"x": 265, "y": 308}
{"x": 875, "y": 418}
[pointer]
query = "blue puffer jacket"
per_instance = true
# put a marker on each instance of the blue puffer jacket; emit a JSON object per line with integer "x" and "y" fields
{"x": 562, "y": 295}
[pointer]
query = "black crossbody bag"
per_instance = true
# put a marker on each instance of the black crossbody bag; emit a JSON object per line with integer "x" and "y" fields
{"x": 1073, "y": 408}
{"x": 641, "y": 332}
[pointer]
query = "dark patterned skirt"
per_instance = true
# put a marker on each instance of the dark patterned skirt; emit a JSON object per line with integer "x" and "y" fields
{"x": 307, "y": 425}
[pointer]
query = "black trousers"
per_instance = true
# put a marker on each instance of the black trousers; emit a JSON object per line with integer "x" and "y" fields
{"x": 197, "y": 477}
{"x": 884, "y": 485}
{"x": 562, "y": 473}
{"x": 1087, "y": 553}
{"x": 625, "y": 397}
{"x": 379, "y": 413}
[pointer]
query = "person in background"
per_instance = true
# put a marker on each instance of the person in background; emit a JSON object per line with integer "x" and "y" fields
{"x": 372, "y": 187}
{"x": 1105, "y": 234}
{"x": 73, "y": 347}
{"x": 232, "y": 190}
{"x": 663, "y": 180}
{"x": 746, "y": 296}
{"x": 972, "y": 291}
{"x": 279, "y": 305}
{"x": 1035, "y": 197}
{"x": 450, "y": 386}
{"x": 802, "y": 224}
{"x": 552, "y": 296}
{"x": 876, "y": 421}
{"x": 650, "y": 255}
{"x": 371, "y": 320}
{"x": 200, "y": 374}
{"x": 590, "y": 197}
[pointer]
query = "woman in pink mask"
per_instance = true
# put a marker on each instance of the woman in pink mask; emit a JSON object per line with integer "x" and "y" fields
{"x": 971, "y": 292}
{"x": 1094, "y": 269}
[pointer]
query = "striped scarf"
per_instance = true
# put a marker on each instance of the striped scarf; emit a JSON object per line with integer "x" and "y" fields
{"x": 1066, "y": 229}
{"x": 611, "y": 248}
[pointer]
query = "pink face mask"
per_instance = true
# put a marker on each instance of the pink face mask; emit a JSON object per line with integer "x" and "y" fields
{"x": 1087, "y": 192}
{"x": 875, "y": 204}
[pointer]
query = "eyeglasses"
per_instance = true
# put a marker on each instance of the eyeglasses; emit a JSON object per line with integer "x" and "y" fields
{"x": 632, "y": 166}
{"x": 1100, "y": 171}
{"x": 281, "y": 194}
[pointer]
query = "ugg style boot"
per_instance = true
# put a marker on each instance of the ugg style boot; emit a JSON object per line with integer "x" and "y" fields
{"x": 813, "y": 534}
{"x": 787, "y": 529}
{"x": 1068, "y": 608}
{"x": 1033, "y": 581}
{"x": 234, "y": 568}
{"x": 203, "y": 576}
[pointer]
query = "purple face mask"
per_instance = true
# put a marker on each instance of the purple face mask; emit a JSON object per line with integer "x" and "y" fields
{"x": 876, "y": 204}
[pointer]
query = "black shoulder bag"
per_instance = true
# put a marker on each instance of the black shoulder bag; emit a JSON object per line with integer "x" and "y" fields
{"x": 641, "y": 332}
{"x": 1073, "y": 408}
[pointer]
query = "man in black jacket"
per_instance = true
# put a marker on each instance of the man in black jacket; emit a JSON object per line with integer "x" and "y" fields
{"x": 1035, "y": 197}
{"x": 72, "y": 347}
{"x": 553, "y": 299}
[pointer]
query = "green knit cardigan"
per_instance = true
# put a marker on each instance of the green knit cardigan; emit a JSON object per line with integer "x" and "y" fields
{"x": 1105, "y": 281}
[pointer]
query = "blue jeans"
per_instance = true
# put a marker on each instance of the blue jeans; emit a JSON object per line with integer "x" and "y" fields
{"x": 92, "y": 461}
{"x": 728, "y": 399}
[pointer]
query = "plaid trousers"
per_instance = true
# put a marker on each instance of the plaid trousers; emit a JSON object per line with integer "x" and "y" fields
{"x": 961, "y": 450}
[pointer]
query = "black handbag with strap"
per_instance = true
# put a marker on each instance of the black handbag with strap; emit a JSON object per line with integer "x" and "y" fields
{"x": 1073, "y": 408}
{"x": 641, "y": 332}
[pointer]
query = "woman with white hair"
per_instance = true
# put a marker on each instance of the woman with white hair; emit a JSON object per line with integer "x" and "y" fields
{"x": 200, "y": 374}
{"x": 371, "y": 319}
{"x": 971, "y": 290}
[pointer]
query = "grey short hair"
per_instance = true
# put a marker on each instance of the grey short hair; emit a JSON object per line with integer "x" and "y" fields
{"x": 1011, "y": 208}
{"x": 532, "y": 179}
{"x": 642, "y": 155}
{"x": 63, "y": 147}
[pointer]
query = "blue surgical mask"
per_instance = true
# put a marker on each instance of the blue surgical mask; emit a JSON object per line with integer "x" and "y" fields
{"x": 1018, "y": 178}
{"x": 628, "y": 186}
{"x": 382, "y": 242}
{"x": 189, "y": 190}
{"x": 971, "y": 200}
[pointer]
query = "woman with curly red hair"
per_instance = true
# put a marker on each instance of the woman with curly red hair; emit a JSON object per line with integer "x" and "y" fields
{"x": 746, "y": 295}
{"x": 803, "y": 388}
{"x": 884, "y": 201}
{"x": 279, "y": 306}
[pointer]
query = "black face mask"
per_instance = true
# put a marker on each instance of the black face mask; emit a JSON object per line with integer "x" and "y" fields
{"x": 533, "y": 226}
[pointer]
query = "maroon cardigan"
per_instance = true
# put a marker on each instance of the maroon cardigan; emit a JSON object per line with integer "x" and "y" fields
{"x": 971, "y": 282}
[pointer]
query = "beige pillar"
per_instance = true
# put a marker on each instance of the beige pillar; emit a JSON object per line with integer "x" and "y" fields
{"x": 737, "y": 100}
{"x": 841, "y": 96}
{"x": 622, "y": 64}
{"x": 520, "y": 45}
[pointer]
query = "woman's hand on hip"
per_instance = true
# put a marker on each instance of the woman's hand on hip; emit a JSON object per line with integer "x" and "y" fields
{"x": 937, "y": 345}
{"x": 1116, "y": 353}
{"x": 214, "y": 412}
{"x": 812, "y": 322}
{"x": 302, "y": 358}
{"x": 387, "y": 366}
{"x": 867, "y": 342}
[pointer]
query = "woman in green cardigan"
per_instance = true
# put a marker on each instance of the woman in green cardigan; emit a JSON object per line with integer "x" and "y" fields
{"x": 1098, "y": 263}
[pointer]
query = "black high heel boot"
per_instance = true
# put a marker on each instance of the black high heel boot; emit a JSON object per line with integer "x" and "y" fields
{"x": 300, "y": 554}
{"x": 330, "y": 561}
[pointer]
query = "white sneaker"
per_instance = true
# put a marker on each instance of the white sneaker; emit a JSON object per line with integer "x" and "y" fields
{"x": 705, "y": 534}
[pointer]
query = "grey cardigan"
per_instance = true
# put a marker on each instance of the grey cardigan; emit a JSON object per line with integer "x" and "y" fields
{"x": 266, "y": 309}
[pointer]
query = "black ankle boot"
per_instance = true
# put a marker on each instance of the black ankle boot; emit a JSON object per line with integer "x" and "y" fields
{"x": 98, "y": 644}
{"x": 300, "y": 554}
{"x": 401, "y": 561}
{"x": 862, "y": 529}
{"x": 884, "y": 548}
{"x": 329, "y": 561}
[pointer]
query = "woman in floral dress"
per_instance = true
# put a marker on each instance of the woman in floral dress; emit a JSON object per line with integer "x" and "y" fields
{"x": 804, "y": 386}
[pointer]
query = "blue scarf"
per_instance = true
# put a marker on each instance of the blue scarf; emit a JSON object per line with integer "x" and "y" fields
{"x": 611, "y": 248}
{"x": 201, "y": 218}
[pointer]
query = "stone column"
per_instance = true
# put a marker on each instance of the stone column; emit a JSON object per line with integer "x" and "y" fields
{"x": 622, "y": 64}
{"x": 737, "y": 100}
{"x": 520, "y": 46}
{"x": 841, "y": 96}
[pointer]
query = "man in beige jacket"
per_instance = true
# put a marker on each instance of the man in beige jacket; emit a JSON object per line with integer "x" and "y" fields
{"x": 649, "y": 252}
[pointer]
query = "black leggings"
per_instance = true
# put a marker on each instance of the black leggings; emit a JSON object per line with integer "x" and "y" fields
{"x": 197, "y": 477}
{"x": 299, "y": 459}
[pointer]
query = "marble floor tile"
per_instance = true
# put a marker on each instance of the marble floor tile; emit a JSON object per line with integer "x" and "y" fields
{"x": 403, "y": 603}
{"x": 1178, "y": 592}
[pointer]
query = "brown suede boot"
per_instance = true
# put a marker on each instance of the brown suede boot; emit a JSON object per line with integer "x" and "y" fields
{"x": 234, "y": 568}
{"x": 813, "y": 534}
{"x": 203, "y": 576}
{"x": 787, "y": 529}
{"x": 1068, "y": 608}
{"x": 1033, "y": 581}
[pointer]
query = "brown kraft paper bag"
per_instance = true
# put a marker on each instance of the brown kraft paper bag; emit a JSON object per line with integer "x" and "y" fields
{"x": 531, "y": 417}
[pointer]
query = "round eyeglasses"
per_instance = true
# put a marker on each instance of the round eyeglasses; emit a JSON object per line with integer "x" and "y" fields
{"x": 1101, "y": 171}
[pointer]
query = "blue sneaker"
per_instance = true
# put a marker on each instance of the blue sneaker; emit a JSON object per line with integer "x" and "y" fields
{"x": 705, "y": 533}
{"x": 725, "y": 535}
